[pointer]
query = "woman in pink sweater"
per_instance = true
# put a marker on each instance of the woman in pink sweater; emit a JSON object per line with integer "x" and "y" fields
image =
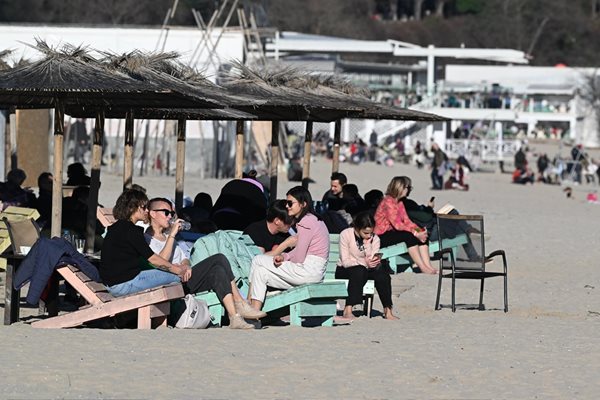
{"x": 306, "y": 263}
{"x": 393, "y": 226}
{"x": 360, "y": 261}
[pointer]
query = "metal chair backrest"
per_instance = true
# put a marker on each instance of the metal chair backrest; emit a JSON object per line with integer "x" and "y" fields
{"x": 469, "y": 231}
{"x": 22, "y": 233}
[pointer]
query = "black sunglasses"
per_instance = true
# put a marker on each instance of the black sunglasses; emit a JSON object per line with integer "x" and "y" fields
{"x": 289, "y": 203}
{"x": 168, "y": 213}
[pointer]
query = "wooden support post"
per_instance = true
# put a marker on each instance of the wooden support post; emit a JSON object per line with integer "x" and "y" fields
{"x": 128, "y": 153}
{"x": 180, "y": 164}
{"x": 307, "y": 153}
{"x": 7, "y": 145}
{"x": 239, "y": 149}
{"x": 90, "y": 227}
{"x": 335, "y": 165}
{"x": 274, "y": 160}
{"x": 57, "y": 179}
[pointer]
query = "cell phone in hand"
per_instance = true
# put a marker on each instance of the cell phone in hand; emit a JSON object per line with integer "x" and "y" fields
{"x": 377, "y": 255}
{"x": 432, "y": 199}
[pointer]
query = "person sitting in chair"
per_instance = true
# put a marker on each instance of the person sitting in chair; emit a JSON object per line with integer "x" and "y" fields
{"x": 271, "y": 235}
{"x": 125, "y": 245}
{"x": 360, "y": 261}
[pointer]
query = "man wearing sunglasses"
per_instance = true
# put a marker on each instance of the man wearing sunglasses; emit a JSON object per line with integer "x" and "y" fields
{"x": 271, "y": 235}
{"x": 213, "y": 273}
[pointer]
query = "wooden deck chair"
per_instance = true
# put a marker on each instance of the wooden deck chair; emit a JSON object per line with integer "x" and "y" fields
{"x": 152, "y": 304}
{"x": 105, "y": 216}
{"x": 334, "y": 253}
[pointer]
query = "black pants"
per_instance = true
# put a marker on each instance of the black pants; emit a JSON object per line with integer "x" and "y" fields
{"x": 392, "y": 237}
{"x": 213, "y": 273}
{"x": 359, "y": 275}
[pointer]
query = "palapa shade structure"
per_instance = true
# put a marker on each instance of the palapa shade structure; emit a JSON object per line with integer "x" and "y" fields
{"x": 300, "y": 96}
{"x": 70, "y": 77}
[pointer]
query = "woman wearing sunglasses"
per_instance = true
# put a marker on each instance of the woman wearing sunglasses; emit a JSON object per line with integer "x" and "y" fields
{"x": 124, "y": 246}
{"x": 393, "y": 225}
{"x": 306, "y": 263}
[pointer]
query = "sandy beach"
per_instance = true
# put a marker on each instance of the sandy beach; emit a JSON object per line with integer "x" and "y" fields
{"x": 546, "y": 346}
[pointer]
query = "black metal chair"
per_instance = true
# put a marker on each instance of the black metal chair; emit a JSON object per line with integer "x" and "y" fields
{"x": 468, "y": 261}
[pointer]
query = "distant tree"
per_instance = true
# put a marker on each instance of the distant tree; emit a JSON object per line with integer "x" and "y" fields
{"x": 469, "y": 6}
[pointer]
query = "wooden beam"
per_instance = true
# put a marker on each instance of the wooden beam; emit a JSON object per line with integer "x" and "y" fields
{"x": 128, "y": 153}
{"x": 335, "y": 165}
{"x": 239, "y": 149}
{"x": 307, "y": 153}
{"x": 180, "y": 164}
{"x": 274, "y": 160}
{"x": 59, "y": 131}
{"x": 90, "y": 227}
{"x": 7, "y": 145}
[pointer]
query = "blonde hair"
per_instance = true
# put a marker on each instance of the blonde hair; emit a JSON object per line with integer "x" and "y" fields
{"x": 396, "y": 185}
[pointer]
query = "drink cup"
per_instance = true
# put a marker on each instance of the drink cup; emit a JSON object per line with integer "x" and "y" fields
{"x": 80, "y": 244}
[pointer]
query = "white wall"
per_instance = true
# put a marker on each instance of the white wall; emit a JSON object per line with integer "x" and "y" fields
{"x": 120, "y": 40}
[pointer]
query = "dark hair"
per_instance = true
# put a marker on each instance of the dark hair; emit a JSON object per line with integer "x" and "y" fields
{"x": 128, "y": 202}
{"x": 142, "y": 189}
{"x": 303, "y": 196}
{"x": 338, "y": 176}
{"x": 363, "y": 220}
{"x": 373, "y": 198}
{"x": 350, "y": 190}
{"x": 204, "y": 201}
{"x": 45, "y": 181}
{"x": 277, "y": 210}
{"x": 159, "y": 199}
{"x": 76, "y": 169}
{"x": 16, "y": 176}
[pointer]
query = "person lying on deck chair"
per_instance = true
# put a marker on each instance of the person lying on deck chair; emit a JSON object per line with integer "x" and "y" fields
{"x": 271, "y": 235}
{"x": 124, "y": 246}
{"x": 306, "y": 263}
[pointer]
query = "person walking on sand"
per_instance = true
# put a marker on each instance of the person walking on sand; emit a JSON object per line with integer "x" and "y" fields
{"x": 393, "y": 225}
{"x": 438, "y": 166}
{"x": 360, "y": 261}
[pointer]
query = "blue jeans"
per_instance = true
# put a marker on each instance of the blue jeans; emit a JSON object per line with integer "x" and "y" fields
{"x": 144, "y": 280}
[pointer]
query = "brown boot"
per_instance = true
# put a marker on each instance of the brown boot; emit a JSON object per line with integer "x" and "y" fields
{"x": 237, "y": 322}
{"x": 247, "y": 311}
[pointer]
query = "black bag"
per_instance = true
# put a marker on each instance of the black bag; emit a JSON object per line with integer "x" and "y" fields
{"x": 421, "y": 215}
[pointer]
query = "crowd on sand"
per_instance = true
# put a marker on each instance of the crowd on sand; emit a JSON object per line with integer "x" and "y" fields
{"x": 292, "y": 233}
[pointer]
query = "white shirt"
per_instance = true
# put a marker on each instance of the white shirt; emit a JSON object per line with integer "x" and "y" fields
{"x": 156, "y": 245}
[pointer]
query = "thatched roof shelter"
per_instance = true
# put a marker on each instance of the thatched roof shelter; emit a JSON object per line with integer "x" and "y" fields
{"x": 202, "y": 114}
{"x": 284, "y": 102}
{"x": 71, "y": 76}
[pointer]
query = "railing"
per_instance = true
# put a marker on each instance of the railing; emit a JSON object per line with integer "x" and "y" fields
{"x": 485, "y": 150}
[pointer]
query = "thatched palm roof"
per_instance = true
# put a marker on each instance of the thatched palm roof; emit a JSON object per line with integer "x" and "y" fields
{"x": 296, "y": 95}
{"x": 224, "y": 114}
{"x": 74, "y": 77}
{"x": 164, "y": 71}
{"x": 285, "y": 101}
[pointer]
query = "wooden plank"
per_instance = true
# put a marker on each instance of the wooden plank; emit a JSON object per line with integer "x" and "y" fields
{"x": 82, "y": 277}
{"x": 18, "y": 213}
{"x": 80, "y": 286}
{"x": 95, "y": 286}
{"x": 105, "y": 216}
{"x": 118, "y": 305}
{"x": 315, "y": 308}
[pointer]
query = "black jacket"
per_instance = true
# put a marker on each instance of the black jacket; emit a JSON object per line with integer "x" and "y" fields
{"x": 45, "y": 255}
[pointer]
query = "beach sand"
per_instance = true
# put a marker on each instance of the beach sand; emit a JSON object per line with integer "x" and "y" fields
{"x": 546, "y": 346}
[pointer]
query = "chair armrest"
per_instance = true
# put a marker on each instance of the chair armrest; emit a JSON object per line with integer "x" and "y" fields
{"x": 452, "y": 261}
{"x": 501, "y": 253}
